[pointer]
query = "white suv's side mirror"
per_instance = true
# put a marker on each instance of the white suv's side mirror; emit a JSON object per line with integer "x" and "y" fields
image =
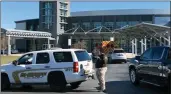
{"x": 15, "y": 62}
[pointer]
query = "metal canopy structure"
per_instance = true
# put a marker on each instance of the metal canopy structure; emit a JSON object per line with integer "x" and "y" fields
{"x": 141, "y": 31}
{"x": 138, "y": 31}
{"x": 101, "y": 30}
{"x": 146, "y": 31}
{"x": 25, "y": 34}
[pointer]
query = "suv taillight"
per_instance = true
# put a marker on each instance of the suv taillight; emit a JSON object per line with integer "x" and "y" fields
{"x": 75, "y": 67}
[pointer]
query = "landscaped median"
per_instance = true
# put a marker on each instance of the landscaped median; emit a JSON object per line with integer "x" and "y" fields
{"x": 8, "y": 58}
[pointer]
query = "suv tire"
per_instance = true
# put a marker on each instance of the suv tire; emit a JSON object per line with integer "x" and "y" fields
{"x": 57, "y": 81}
{"x": 133, "y": 77}
{"x": 5, "y": 83}
{"x": 75, "y": 85}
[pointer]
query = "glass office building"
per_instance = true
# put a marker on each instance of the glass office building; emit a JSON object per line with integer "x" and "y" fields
{"x": 55, "y": 17}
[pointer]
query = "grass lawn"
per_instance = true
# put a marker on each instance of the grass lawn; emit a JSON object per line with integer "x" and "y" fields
{"x": 7, "y": 59}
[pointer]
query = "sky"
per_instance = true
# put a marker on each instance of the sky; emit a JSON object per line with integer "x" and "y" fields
{"x": 14, "y": 11}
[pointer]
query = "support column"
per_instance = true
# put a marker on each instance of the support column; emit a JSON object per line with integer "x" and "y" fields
{"x": 151, "y": 42}
{"x": 160, "y": 41}
{"x": 132, "y": 46}
{"x": 145, "y": 44}
{"x": 69, "y": 42}
{"x": 142, "y": 46}
{"x": 135, "y": 46}
{"x": 165, "y": 42}
{"x": 111, "y": 38}
{"x": 169, "y": 40}
{"x": 48, "y": 43}
{"x": 9, "y": 45}
{"x": 34, "y": 45}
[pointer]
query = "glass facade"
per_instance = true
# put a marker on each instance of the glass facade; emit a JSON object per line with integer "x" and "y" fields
{"x": 96, "y": 25}
{"x": 161, "y": 20}
{"x": 32, "y": 25}
{"x": 74, "y": 25}
{"x": 121, "y": 24}
{"x": 109, "y": 25}
{"x": 47, "y": 15}
{"x": 86, "y": 26}
{"x": 131, "y": 23}
{"x": 47, "y": 5}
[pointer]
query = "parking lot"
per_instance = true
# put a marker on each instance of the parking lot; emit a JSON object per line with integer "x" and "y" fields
{"x": 117, "y": 82}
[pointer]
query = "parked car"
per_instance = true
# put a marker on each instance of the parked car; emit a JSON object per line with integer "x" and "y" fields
{"x": 153, "y": 67}
{"x": 117, "y": 56}
{"x": 13, "y": 51}
{"x": 56, "y": 68}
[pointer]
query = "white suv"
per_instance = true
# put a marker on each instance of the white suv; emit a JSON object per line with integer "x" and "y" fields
{"x": 56, "y": 68}
{"x": 117, "y": 56}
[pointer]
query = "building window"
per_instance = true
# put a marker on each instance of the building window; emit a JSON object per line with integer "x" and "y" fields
{"x": 48, "y": 5}
{"x": 62, "y": 26}
{"x": 37, "y": 28}
{"x": 63, "y": 5}
{"x": 96, "y": 25}
{"x": 109, "y": 25}
{"x": 48, "y": 19}
{"x": 148, "y": 22}
{"x": 62, "y": 19}
{"x": 74, "y": 25}
{"x": 31, "y": 28}
{"x": 48, "y": 12}
{"x": 86, "y": 26}
{"x": 131, "y": 23}
{"x": 121, "y": 24}
{"x": 161, "y": 20}
{"x": 63, "y": 13}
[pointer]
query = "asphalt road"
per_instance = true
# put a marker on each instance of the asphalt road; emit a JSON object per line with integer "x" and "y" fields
{"x": 117, "y": 82}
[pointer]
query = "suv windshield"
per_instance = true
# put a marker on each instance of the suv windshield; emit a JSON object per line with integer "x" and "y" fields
{"x": 82, "y": 55}
{"x": 118, "y": 51}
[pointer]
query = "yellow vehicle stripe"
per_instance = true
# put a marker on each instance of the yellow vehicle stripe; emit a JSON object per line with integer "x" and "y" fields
{"x": 16, "y": 77}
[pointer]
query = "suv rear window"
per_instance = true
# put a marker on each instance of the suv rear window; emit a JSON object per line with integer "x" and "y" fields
{"x": 63, "y": 56}
{"x": 118, "y": 51}
{"x": 82, "y": 55}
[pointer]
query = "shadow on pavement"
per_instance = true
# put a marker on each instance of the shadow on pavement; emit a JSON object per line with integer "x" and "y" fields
{"x": 47, "y": 89}
{"x": 125, "y": 87}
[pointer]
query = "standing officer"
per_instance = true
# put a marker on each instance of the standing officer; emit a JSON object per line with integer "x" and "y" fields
{"x": 101, "y": 68}
{"x": 95, "y": 53}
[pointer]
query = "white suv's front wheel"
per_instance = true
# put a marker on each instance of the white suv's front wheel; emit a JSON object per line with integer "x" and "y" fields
{"x": 133, "y": 77}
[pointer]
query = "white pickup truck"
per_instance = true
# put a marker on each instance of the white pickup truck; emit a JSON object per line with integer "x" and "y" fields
{"x": 56, "y": 68}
